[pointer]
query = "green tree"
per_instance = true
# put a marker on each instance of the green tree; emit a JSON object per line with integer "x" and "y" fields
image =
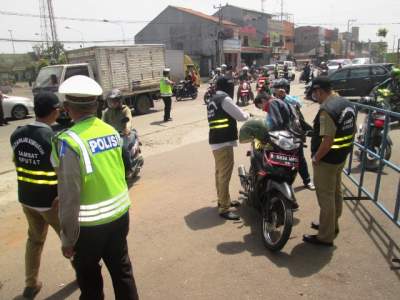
{"x": 382, "y": 32}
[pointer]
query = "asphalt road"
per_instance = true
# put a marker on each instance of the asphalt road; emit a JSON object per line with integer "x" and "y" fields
{"x": 181, "y": 249}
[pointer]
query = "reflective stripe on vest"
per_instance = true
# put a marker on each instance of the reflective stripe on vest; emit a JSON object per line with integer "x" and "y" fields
{"x": 220, "y": 122}
{"x": 39, "y": 173}
{"x": 104, "y": 209}
{"x": 85, "y": 153}
{"x": 342, "y": 139}
{"x": 37, "y": 181}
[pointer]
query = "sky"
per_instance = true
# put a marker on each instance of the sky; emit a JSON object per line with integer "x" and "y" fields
{"x": 330, "y": 13}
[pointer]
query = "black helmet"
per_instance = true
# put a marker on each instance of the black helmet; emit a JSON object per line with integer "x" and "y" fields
{"x": 114, "y": 95}
{"x": 280, "y": 83}
{"x": 222, "y": 84}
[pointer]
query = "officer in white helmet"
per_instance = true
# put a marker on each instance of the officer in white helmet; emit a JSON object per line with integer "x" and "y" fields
{"x": 223, "y": 69}
{"x": 93, "y": 195}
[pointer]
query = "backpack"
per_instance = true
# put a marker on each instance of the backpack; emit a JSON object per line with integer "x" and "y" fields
{"x": 297, "y": 125}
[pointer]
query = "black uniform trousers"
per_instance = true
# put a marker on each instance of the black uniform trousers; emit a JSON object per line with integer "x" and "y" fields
{"x": 107, "y": 242}
{"x": 167, "y": 108}
{"x": 303, "y": 168}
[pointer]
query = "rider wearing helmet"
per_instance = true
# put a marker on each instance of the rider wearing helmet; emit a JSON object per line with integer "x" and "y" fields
{"x": 223, "y": 69}
{"x": 119, "y": 116}
{"x": 245, "y": 76}
{"x": 390, "y": 90}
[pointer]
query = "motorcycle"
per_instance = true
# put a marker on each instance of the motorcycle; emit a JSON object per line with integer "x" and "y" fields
{"x": 268, "y": 185}
{"x": 244, "y": 93}
{"x": 376, "y": 126}
{"x": 209, "y": 93}
{"x": 185, "y": 89}
{"x": 261, "y": 84}
{"x": 134, "y": 152}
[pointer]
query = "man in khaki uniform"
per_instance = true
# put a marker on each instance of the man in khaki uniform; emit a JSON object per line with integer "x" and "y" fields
{"x": 332, "y": 141}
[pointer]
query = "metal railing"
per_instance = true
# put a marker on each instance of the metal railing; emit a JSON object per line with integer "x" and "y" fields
{"x": 363, "y": 192}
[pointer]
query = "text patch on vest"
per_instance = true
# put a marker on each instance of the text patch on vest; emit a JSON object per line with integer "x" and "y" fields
{"x": 104, "y": 143}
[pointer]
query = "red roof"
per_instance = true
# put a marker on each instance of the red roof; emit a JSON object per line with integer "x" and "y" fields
{"x": 204, "y": 16}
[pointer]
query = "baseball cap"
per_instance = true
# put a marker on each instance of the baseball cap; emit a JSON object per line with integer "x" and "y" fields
{"x": 321, "y": 82}
{"x": 47, "y": 100}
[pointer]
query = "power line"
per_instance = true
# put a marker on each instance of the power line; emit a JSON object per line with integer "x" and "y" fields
{"x": 63, "y": 42}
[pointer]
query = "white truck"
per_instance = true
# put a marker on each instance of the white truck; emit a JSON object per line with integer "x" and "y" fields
{"x": 135, "y": 70}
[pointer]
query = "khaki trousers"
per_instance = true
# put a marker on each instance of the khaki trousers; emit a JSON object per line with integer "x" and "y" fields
{"x": 328, "y": 180}
{"x": 224, "y": 162}
{"x": 38, "y": 224}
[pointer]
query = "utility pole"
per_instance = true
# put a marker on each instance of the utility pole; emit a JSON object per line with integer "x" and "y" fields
{"x": 347, "y": 37}
{"x": 219, "y": 33}
{"x": 12, "y": 40}
{"x": 398, "y": 52}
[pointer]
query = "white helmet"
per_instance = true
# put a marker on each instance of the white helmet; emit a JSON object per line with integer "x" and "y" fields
{"x": 218, "y": 69}
{"x": 223, "y": 66}
{"x": 245, "y": 68}
{"x": 80, "y": 86}
{"x": 167, "y": 70}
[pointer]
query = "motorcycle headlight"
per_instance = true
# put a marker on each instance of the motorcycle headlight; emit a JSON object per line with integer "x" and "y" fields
{"x": 286, "y": 144}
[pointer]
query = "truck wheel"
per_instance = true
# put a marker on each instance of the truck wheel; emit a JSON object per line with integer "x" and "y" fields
{"x": 142, "y": 105}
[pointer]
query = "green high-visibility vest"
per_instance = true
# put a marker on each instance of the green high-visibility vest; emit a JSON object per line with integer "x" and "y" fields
{"x": 104, "y": 193}
{"x": 165, "y": 88}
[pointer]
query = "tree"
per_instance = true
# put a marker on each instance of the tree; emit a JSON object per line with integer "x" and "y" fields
{"x": 382, "y": 32}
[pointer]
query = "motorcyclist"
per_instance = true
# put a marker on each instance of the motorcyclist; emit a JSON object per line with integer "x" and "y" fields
{"x": 286, "y": 71}
{"x": 323, "y": 68}
{"x": 119, "y": 116}
{"x": 263, "y": 84}
{"x": 217, "y": 75}
{"x": 245, "y": 77}
{"x": 223, "y": 69}
{"x": 390, "y": 89}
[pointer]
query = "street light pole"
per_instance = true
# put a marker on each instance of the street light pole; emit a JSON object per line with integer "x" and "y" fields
{"x": 120, "y": 26}
{"x": 12, "y": 39}
{"x": 83, "y": 40}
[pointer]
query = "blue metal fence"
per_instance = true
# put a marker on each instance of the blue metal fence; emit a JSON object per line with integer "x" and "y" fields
{"x": 363, "y": 192}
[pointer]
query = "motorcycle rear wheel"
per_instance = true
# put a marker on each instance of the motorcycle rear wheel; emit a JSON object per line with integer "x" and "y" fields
{"x": 277, "y": 222}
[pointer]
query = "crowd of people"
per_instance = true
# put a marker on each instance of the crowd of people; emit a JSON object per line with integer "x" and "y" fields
{"x": 64, "y": 182}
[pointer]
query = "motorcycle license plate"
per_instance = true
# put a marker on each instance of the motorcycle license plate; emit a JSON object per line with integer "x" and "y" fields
{"x": 283, "y": 160}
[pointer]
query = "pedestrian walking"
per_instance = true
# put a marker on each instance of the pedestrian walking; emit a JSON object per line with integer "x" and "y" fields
{"x": 166, "y": 93}
{"x": 37, "y": 184}
{"x": 93, "y": 195}
{"x": 333, "y": 135}
{"x": 223, "y": 115}
{"x": 2, "y": 120}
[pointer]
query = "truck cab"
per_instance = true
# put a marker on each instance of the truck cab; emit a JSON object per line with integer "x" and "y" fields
{"x": 50, "y": 77}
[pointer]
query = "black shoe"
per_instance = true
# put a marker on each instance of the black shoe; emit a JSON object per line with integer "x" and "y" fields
{"x": 313, "y": 239}
{"x": 229, "y": 215}
{"x": 31, "y": 292}
{"x": 316, "y": 227}
{"x": 234, "y": 203}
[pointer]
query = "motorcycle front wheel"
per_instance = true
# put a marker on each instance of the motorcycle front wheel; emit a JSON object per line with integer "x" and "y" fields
{"x": 277, "y": 222}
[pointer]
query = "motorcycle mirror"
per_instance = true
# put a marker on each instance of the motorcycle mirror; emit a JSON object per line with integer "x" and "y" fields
{"x": 125, "y": 120}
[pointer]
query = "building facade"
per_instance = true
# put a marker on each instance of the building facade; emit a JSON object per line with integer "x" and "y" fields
{"x": 208, "y": 40}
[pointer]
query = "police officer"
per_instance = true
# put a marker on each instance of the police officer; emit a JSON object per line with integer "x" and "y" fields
{"x": 37, "y": 183}
{"x": 94, "y": 200}
{"x": 333, "y": 135}
{"x": 166, "y": 93}
{"x": 223, "y": 115}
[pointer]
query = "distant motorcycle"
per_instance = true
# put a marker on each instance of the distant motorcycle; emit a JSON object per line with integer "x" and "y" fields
{"x": 210, "y": 92}
{"x": 185, "y": 89}
{"x": 244, "y": 93}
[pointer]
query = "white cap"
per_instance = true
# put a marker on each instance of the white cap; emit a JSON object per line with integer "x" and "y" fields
{"x": 218, "y": 69}
{"x": 80, "y": 86}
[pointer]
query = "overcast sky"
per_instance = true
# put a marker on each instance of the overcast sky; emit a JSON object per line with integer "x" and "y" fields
{"x": 333, "y": 12}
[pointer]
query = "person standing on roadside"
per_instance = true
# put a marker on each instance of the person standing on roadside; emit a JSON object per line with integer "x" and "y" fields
{"x": 2, "y": 120}
{"x": 93, "y": 195}
{"x": 37, "y": 184}
{"x": 332, "y": 140}
{"x": 166, "y": 93}
{"x": 223, "y": 115}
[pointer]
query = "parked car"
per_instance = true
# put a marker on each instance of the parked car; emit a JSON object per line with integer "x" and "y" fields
{"x": 359, "y": 80}
{"x": 333, "y": 64}
{"x": 17, "y": 107}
